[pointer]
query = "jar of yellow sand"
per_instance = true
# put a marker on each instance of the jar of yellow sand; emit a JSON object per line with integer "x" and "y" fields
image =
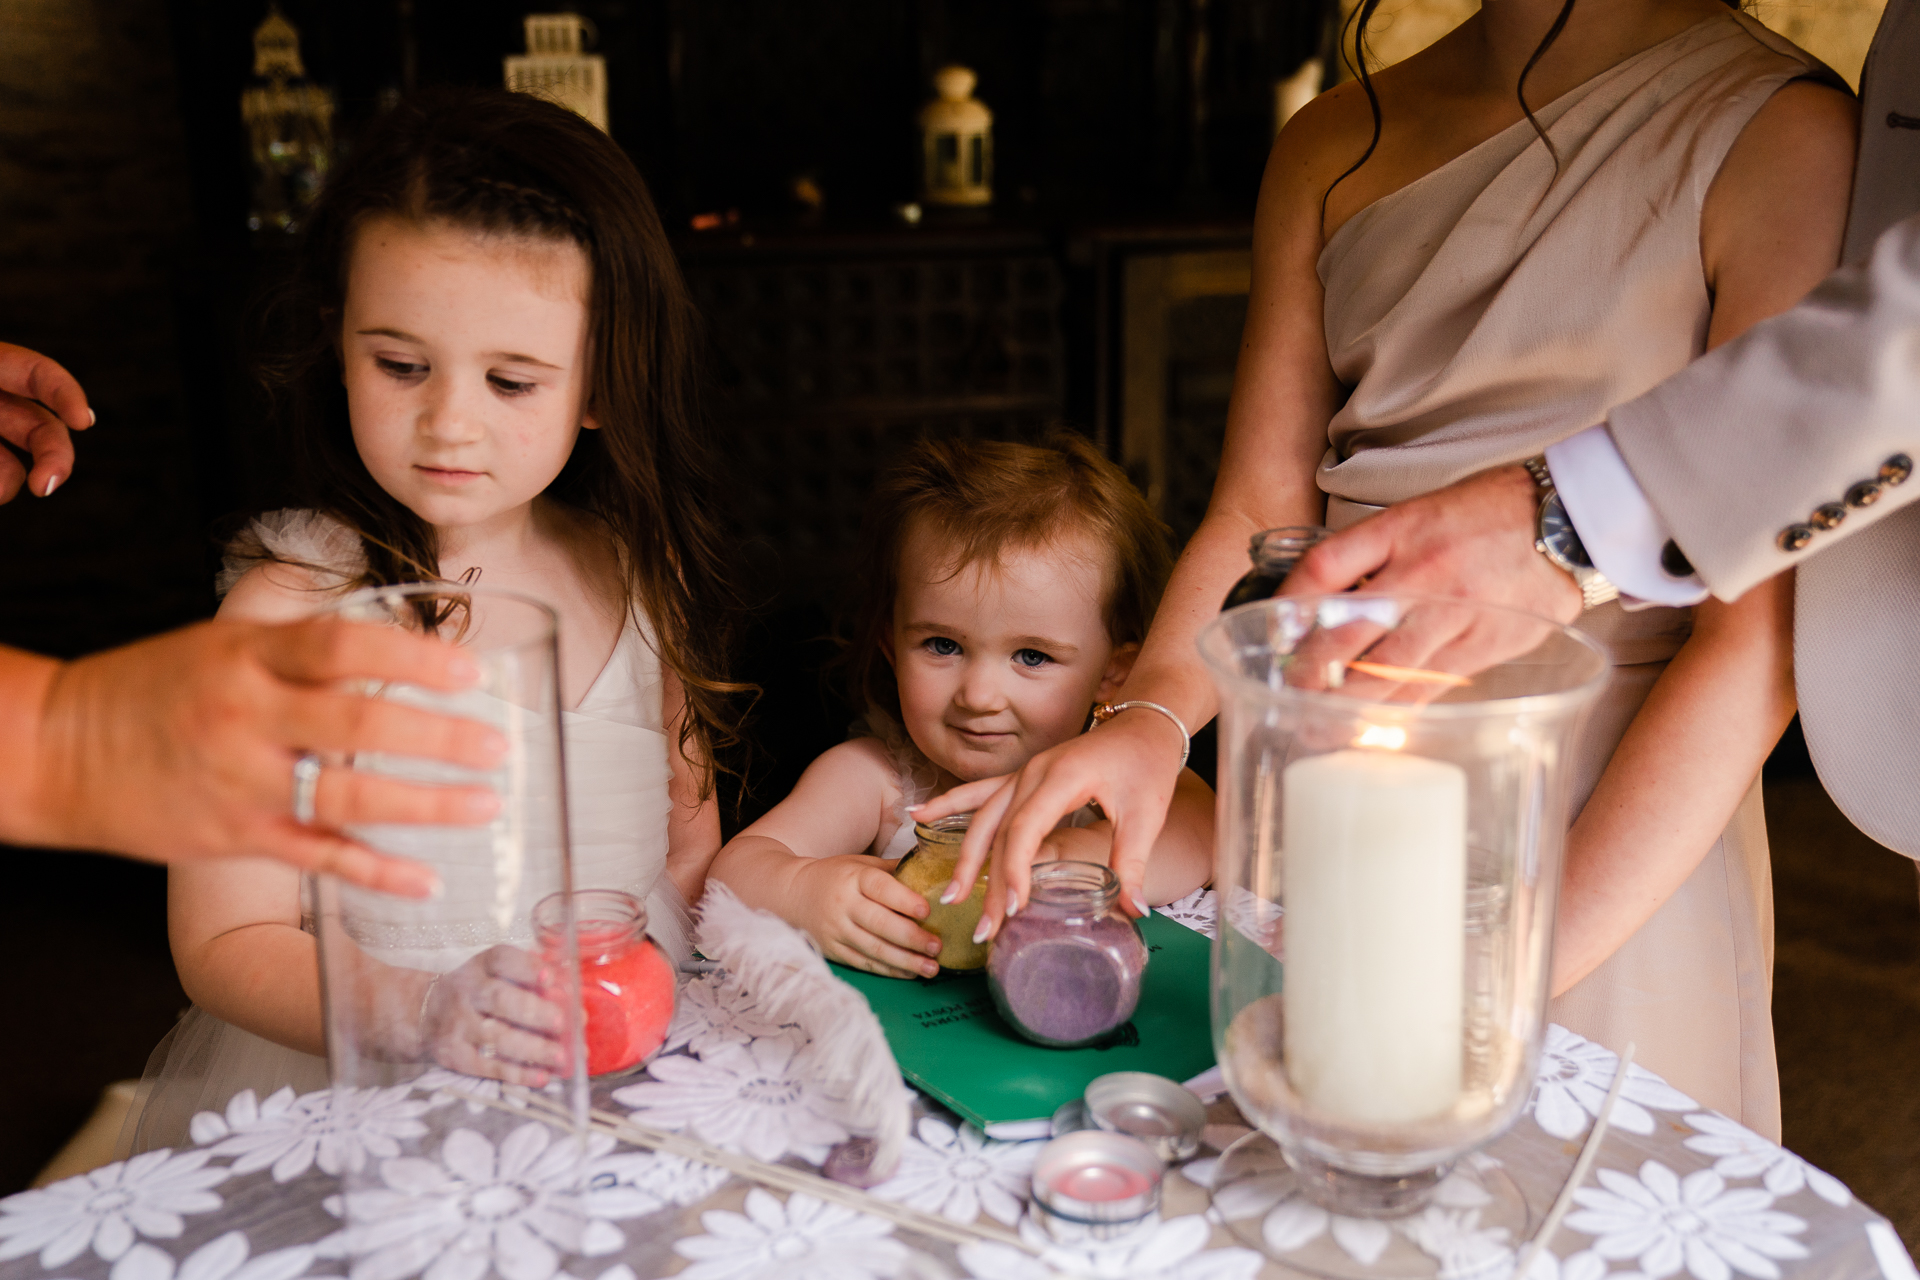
{"x": 928, "y": 870}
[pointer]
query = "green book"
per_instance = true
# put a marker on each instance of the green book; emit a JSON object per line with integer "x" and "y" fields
{"x": 952, "y": 1043}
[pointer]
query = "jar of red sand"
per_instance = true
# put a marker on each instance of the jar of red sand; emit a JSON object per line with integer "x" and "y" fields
{"x": 1067, "y": 969}
{"x": 626, "y": 985}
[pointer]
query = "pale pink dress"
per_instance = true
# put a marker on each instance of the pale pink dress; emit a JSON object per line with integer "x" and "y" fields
{"x": 1494, "y": 307}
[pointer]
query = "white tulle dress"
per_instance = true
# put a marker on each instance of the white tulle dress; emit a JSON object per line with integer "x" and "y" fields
{"x": 617, "y": 774}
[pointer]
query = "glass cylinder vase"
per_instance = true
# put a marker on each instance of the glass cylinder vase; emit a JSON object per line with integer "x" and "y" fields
{"x": 1394, "y": 797}
{"x": 463, "y": 997}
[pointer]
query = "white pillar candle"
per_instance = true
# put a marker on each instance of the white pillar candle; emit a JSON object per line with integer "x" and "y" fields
{"x": 1375, "y": 852}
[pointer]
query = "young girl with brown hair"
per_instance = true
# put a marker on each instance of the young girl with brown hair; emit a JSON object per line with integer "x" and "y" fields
{"x": 1006, "y": 590}
{"x": 488, "y": 378}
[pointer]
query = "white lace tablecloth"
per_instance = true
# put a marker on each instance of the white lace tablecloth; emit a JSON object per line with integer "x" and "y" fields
{"x": 1676, "y": 1191}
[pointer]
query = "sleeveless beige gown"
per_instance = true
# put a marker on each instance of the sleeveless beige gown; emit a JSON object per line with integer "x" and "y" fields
{"x": 1494, "y": 307}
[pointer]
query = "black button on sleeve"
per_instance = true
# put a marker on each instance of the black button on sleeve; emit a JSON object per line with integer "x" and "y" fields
{"x": 1674, "y": 561}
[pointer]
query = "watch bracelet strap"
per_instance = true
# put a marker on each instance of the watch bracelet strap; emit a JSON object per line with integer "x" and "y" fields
{"x": 1596, "y": 588}
{"x": 1542, "y": 477}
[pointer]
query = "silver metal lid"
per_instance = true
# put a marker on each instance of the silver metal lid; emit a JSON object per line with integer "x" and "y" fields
{"x": 1095, "y": 1185}
{"x": 1157, "y": 1111}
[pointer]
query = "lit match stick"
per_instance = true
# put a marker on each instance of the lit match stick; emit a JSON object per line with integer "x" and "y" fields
{"x": 1408, "y": 675}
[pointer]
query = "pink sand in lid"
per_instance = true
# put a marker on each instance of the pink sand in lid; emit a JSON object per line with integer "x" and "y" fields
{"x": 1102, "y": 1183}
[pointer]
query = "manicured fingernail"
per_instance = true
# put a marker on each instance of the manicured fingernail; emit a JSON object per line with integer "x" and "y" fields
{"x": 53, "y": 482}
{"x": 461, "y": 667}
{"x": 495, "y": 742}
{"x": 1138, "y": 905}
{"x": 482, "y": 805}
{"x": 951, "y": 896}
{"x": 982, "y": 930}
{"x": 418, "y": 881}
{"x": 1013, "y": 907}
{"x": 415, "y": 884}
{"x": 92, "y": 417}
{"x": 915, "y": 808}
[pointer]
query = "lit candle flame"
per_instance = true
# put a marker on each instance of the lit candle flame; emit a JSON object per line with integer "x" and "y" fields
{"x": 1381, "y": 735}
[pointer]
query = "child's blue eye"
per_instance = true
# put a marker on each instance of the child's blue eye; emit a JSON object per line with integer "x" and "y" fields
{"x": 941, "y": 647}
{"x": 1031, "y": 658}
{"x": 399, "y": 368}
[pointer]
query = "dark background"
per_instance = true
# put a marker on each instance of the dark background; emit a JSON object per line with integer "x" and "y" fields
{"x": 124, "y": 253}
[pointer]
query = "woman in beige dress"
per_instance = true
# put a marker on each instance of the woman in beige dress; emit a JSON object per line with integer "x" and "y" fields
{"x": 1476, "y": 288}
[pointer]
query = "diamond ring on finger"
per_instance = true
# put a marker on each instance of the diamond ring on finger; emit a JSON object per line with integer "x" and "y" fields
{"x": 306, "y": 783}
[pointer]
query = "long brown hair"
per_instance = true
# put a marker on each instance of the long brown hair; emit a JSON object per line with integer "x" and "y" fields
{"x": 983, "y": 498}
{"x": 507, "y": 163}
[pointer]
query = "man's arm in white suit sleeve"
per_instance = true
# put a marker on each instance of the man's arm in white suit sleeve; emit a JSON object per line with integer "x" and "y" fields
{"x": 1620, "y": 529}
{"x": 1802, "y": 431}
{"x": 1799, "y": 433}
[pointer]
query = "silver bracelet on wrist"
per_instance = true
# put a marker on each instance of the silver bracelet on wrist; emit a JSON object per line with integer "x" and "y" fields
{"x": 1105, "y": 711}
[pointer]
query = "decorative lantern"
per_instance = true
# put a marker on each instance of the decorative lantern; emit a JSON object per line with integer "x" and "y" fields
{"x": 289, "y": 128}
{"x": 957, "y": 142}
{"x": 554, "y": 68}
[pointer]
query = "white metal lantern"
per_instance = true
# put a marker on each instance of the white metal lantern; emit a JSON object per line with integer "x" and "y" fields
{"x": 957, "y": 142}
{"x": 554, "y": 68}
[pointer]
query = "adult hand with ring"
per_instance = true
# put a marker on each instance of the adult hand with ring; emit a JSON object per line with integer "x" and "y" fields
{"x": 1131, "y": 766}
{"x": 490, "y": 1018}
{"x": 203, "y": 742}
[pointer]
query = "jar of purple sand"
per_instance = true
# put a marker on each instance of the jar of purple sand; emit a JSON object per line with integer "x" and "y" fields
{"x": 1067, "y": 969}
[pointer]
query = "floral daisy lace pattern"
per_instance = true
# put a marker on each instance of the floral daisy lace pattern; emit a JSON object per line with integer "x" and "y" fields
{"x": 1448, "y": 1230}
{"x": 227, "y": 1257}
{"x": 754, "y": 1098}
{"x": 107, "y": 1210}
{"x": 336, "y": 1130}
{"x": 1199, "y": 911}
{"x": 1666, "y": 1223}
{"x": 1742, "y": 1153}
{"x": 1174, "y": 1249}
{"x": 960, "y": 1173}
{"x": 513, "y": 1207}
{"x": 450, "y": 1192}
{"x": 801, "y": 1239}
{"x": 1573, "y": 1080}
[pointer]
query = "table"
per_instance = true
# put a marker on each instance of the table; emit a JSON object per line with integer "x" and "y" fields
{"x": 454, "y": 1188}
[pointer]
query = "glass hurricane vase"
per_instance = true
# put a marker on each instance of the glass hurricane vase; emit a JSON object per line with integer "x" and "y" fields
{"x": 470, "y": 996}
{"x": 1393, "y": 802}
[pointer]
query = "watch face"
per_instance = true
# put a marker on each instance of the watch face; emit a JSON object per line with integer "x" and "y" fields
{"x": 1556, "y": 531}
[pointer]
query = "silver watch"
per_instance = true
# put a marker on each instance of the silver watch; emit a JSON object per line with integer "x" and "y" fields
{"x": 1555, "y": 538}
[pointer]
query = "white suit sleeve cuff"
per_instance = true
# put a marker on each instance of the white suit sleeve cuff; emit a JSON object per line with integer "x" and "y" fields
{"x": 1616, "y": 524}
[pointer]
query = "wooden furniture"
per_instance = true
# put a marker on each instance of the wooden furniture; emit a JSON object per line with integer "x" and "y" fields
{"x": 834, "y": 350}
